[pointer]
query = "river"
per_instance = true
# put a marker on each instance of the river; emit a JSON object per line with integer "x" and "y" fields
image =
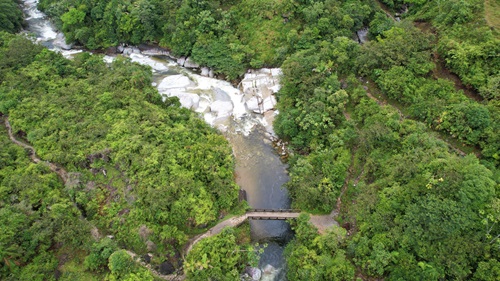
{"x": 243, "y": 114}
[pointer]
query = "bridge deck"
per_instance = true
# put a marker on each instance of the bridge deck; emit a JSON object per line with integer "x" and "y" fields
{"x": 272, "y": 215}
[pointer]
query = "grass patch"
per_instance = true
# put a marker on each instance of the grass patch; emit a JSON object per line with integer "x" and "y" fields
{"x": 492, "y": 13}
{"x": 73, "y": 268}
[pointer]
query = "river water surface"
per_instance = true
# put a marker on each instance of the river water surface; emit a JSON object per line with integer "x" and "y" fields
{"x": 232, "y": 110}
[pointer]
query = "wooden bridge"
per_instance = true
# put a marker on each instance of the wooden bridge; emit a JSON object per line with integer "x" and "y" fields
{"x": 253, "y": 214}
{"x": 272, "y": 214}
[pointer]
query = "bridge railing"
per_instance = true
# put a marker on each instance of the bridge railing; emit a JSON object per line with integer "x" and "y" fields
{"x": 275, "y": 210}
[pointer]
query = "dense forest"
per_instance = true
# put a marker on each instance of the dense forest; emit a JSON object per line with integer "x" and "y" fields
{"x": 398, "y": 135}
{"x": 149, "y": 185}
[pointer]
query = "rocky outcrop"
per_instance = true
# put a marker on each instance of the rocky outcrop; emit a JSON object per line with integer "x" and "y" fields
{"x": 187, "y": 62}
{"x": 253, "y": 273}
{"x": 259, "y": 87}
{"x": 176, "y": 86}
{"x": 362, "y": 35}
{"x": 207, "y": 72}
{"x": 60, "y": 42}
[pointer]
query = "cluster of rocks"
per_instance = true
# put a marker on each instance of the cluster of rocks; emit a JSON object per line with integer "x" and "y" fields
{"x": 217, "y": 100}
{"x": 187, "y": 62}
{"x": 259, "y": 87}
{"x": 268, "y": 273}
{"x": 176, "y": 85}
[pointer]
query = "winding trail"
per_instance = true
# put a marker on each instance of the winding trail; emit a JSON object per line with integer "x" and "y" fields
{"x": 402, "y": 117}
{"x": 321, "y": 222}
{"x": 64, "y": 175}
{"x": 32, "y": 153}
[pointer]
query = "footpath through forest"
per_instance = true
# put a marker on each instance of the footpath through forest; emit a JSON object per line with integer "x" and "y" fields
{"x": 321, "y": 222}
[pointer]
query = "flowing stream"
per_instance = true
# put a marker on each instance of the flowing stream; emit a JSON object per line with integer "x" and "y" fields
{"x": 244, "y": 114}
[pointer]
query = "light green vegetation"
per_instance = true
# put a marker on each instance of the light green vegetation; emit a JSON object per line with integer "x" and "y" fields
{"x": 142, "y": 170}
{"x": 222, "y": 257}
{"x": 413, "y": 209}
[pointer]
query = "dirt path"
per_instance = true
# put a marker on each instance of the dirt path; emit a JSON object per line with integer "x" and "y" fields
{"x": 321, "y": 222}
{"x": 401, "y": 117}
{"x": 170, "y": 277}
{"x": 32, "y": 153}
{"x": 324, "y": 222}
{"x": 64, "y": 177}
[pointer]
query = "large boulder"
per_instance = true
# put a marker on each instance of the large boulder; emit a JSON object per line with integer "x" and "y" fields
{"x": 253, "y": 272}
{"x": 181, "y": 61}
{"x": 269, "y": 273}
{"x": 127, "y": 51}
{"x": 269, "y": 103}
{"x": 253, "y": 104}
{"x": 187, "y": 100}
{"x": 222, "y": 108}
{"x": 189, "y": 63}
{"x": 166, "y": 268}
{"x": 174, "y": 81}
{"x": 205, "y": 71}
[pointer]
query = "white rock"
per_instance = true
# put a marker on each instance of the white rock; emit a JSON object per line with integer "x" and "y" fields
{"x": 108, "y": 59}
{"x": 131, "y": 50}
{"x": 203, "y": 105}
{"x": 70, "y": 53}
{"x": 269, "y": 103}
{"x": 247, "y": 86}
{"x": 268, "y": 269}
{"x": 181, "y": 61}
{"x": 265, "y": 70}
{"x": 211, "y": 73}
{"x": 253, "y": 105}
{"x": 205, "y": 71}
{"x": 222, "y": 108}
{"x": 189, "y": 63}
{"x": 190, "y": 101}
{"x": 269, "y": 273}
{"x": 276, "y": 72}
{"x": 146, "y": 60}
{"x": 254, "y": 272}
{"x": 275, "y": 88}
{"x": 187, "y": 100}
{"x": 120, "y": 49}
{"x": 174, "y": 81}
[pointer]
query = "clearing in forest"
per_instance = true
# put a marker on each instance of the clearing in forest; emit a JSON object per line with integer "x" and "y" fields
{"x": 492, "y": 13}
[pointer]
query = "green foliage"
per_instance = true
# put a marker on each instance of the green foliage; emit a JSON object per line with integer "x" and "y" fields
{"x": 168, "y": 171}
{"x": 11, "y": 16}
{"x": 99, "y": 254}
{"x": 317, "y": 257}
{"x": 427, "y": 206}
{"x": 120, "y": 263}
{"x": 229, "y": 37}
{"x": 218, "y": 257}
{"x": 380, "y": 24}
{"x": 472, "y": 54}
{"x": 416, "y": 211}
{"x": 316, "y": 180}
{"x": 402, "y": 45}
{"x": 35, "y": 214}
